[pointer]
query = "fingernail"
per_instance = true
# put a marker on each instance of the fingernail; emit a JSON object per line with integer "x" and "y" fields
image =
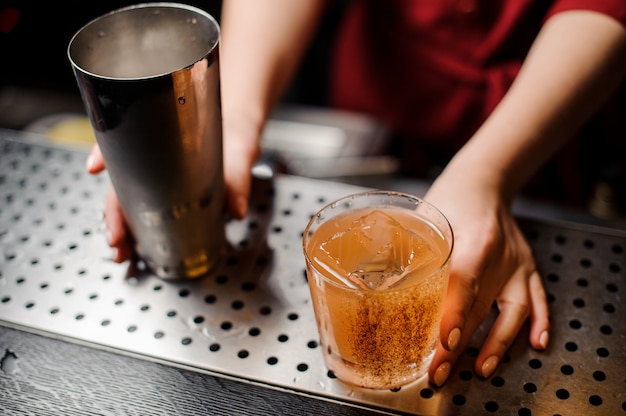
{"x": 543, "y": 339}
{"x": 489, "y": 366}
{"x": 89, "y": 162}
{"x": 109, "y": 236}
{"x": 442, "y": 373}
{"x": 115, "y": 253}
{"x": 453, "y": 339}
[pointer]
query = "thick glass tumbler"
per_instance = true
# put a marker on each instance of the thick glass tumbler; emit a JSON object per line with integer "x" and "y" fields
{"x": 149, "y": 78}
{"x": 378, "y": 266}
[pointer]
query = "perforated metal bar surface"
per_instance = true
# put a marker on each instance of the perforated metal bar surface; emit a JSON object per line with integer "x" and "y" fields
{"x": 252, "y": 319}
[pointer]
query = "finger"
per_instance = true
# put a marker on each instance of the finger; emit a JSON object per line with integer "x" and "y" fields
{"x": 513, "y": 304}
{"x": 444, "y": 359}
{"x": 95, "y": 162}
{"x": 461, "y": 293}
{"x": 239, "y": 157}
{"x": 237, "y": 178}
{"x": 463, "y": 288}
{"x": 504, "y": 331}
{"x": 454, "y": 331}
{"x": 539, "y": 313}
{"x": 117, "y": 234}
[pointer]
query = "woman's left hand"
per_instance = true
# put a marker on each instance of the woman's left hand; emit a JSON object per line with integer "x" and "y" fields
{"x": 491, "y": 261}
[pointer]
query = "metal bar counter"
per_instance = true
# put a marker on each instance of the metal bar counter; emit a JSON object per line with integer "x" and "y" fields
{"x": 80, "y": 334}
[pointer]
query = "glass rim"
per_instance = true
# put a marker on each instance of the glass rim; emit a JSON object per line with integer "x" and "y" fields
{"x": 333, "y": 204}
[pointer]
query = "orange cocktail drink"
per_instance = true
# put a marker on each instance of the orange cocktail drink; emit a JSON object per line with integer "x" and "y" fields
{"x": 378, "y": 266}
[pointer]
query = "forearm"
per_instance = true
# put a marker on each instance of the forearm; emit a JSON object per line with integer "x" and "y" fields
{"x": 262, "y": 45}
{"x": 576, "y": 63}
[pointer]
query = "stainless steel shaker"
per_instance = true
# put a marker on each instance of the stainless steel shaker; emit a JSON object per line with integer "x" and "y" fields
{"x": 149, "y": 78}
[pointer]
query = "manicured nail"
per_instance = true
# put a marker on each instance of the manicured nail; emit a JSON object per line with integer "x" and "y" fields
{"x": 89, "y": 163}
{"x": 453, "y": 339}
{"x": 543, "y": 339}
{"x": 489, "y": 366}
{"x": 442, "y": 373}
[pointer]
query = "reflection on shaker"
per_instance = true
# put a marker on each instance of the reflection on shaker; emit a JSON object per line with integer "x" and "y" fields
{"x": 149, "y": 79}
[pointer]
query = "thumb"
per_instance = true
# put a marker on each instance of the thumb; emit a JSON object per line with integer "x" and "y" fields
{"x": 95, "y": 162}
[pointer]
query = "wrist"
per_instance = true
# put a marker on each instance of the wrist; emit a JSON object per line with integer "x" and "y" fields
{"x": 480, "y": 173}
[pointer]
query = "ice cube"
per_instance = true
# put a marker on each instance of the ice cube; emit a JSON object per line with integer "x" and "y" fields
{"x": 375, "y": 252}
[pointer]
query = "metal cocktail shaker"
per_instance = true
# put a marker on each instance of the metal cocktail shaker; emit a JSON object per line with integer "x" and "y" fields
{"x": 149, "y": 78}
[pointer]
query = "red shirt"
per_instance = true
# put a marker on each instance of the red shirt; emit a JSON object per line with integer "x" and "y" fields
{"x": 435, "y": 69}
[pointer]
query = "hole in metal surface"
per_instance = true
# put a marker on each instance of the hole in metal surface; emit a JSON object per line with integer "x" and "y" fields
{"x": 459, "y": 399}
{"x": 606, "y": 329}
{"x": 582, "y": 282}
{"x": 427, "y": 393}
{"x": 575, "y": 324}
{"x": 42, "y": 218}
{"x": 530, "y": 388}
{"x": 562, "y": 394}
{"x": 497, "y": 381}
{"x": 599, "y": 375}
{"x": 466, "y": 375}
{"x": 608, "y": 308}
{"x": 552, "y": 277}
{"x": 595, "y": 400}
{"x": 602, "y": 352}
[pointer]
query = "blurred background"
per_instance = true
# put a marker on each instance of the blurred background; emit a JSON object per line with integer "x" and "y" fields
{"x": 36, "y": 77}
{"x": 38, "y": 93}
